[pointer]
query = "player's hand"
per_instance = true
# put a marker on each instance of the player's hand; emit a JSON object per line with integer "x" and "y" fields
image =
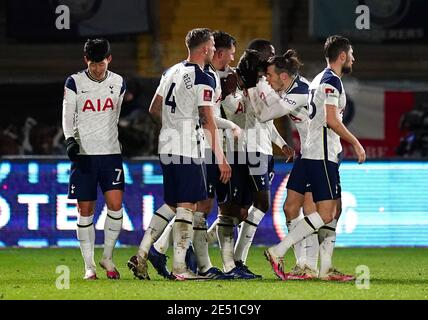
{"x": 248, "y": 68}
{"x": 360, "y": 152}
{"x": 236, "y": 132}
{"x": 225, "y": 171}
{"x": 228, "y": 84}
{"x": 72, "y": 148}
{"x": 288, "y": 152}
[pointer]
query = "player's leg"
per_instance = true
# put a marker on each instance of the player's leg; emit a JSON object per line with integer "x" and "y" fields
{"x": 203, "y": 208}
{"x": 311, "y": 241}
{"x": 259, "y": 176}
{"x": 325, "y": 194}
{"x": 112, "y": 183}
{"x": 112, "y": 228}
{"x": 327, "y": 241}
{"x": 157, "y": 253}
{"x": 86, "y": 236}
{"x": 190, "y": 188}
{"x": 163, "y": 215}
{"x": 200, "y": 241}
{"x": 83, "y": 187}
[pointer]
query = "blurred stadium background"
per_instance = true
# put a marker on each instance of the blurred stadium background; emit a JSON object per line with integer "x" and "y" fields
{"x": 384, "y": 200}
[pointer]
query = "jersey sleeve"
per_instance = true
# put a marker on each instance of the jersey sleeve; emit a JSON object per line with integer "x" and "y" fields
{"x": 332, "y": 89}
{"x": 276, "y": 137}
{"x": 224, "y": 123}
{"x": 231, "y": 104}
{"x": 204, "y": 90}
{"x": 267, "y": 104}
{"x": 161, "y": 87}
{"x": 69, "y": 107}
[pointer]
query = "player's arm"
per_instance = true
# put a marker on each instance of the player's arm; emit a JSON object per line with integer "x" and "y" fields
{"x": 69, "y": 107}
{"x": 207, "y": 119}
{"x": 277, "y": 139}
{"x": 227, "y": 124}
{"x": 333, "y": 121}
{"x": 121, "y": 96}
{"x": 268, "y": 105}
{"x": 155, "y": 108}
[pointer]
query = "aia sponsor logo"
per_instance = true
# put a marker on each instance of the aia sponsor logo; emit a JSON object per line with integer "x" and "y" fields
{"x": 329, "y": 90}
{"x": 98, "y": 106}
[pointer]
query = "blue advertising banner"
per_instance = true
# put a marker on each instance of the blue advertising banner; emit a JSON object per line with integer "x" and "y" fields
{"x": 384, "y": 204}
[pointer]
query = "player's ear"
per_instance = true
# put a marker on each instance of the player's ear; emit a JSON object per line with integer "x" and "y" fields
{"x": 109, "y": 58}
{"x": 343, "y": 55}
{"x": 85, "y": 59}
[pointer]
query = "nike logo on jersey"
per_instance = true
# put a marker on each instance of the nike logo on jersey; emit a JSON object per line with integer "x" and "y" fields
{"x": 116, "y": 183}
{"x": 85, "y": 91}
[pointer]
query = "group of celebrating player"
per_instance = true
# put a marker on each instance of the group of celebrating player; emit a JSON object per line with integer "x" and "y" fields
{"x": 216, "y": 142}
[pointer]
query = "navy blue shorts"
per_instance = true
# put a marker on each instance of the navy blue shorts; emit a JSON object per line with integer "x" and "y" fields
{"x": 297, "y": 180}
{"x": 184, "y": 180}
{"x": 89, "y": 171}
{"x": 323, "y": 176}
{"x": 239, "y": 185}
{"x": 261, "y": 172}
{"x": 214, "y": 186}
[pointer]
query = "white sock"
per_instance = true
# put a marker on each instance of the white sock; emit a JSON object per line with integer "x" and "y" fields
{"x": 200, "y": 241}
{"x": 158, "y": 223}
{"x": 226, "y": 241}
{"x": 303, "y": 228}
{"x": 112, "y": 228}
{"x": 312, "y": 248}
{"x": 247, "y": 232}
{"x": 299, "y": 247}
{"x": 212, "y": 232}
{"x": 327, "y": 240}
{"x": 86, "y": 236}
{"x": 182, "y": 233}
{"x": 162, "y": 244}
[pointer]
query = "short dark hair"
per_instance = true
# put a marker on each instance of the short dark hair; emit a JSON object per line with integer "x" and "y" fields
{"x": 334, "y": 45}
{"x": 223, "y": 40}
{"x": 198, "y": 36}
{"x": 263, "y": 47}
{"x": 288, "y": 62}
{"x": 96, "y": 50}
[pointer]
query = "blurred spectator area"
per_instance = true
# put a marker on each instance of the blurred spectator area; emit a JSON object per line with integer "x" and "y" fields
{"x": 32, "y": 73}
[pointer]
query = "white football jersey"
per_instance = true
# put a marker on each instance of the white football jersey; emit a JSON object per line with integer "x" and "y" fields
{"x": 91, "y": 110}
{"x": 184, "y": 87}
{"x": 269, "y": 104}
{"x": 322, "y": 143}
{"x": 258, "y": 134}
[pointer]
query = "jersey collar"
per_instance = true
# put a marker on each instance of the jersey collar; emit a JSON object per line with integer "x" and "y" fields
{"x": 95, "y": 80}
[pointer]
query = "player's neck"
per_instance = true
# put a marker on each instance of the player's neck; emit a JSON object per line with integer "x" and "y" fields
{"x": 199, "y": 60}
{"x": 337, "y": 69}
{"x": 93, "y": 76}
{"x": 287, "y": 84}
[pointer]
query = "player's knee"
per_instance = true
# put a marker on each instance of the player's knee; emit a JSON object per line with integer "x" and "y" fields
{"x": 262, "y": 203}
{"x": 115, "y": 206}
{"x": 291, "y": 211}
{"x": 243, "y": 214}
{"x": 205, "y": 206}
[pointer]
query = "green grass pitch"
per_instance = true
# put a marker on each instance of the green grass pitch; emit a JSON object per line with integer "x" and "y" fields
{"x": 395, "y": 273}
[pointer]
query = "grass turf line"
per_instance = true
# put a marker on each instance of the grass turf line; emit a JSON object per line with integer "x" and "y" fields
{"x": 395, "y": 273}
